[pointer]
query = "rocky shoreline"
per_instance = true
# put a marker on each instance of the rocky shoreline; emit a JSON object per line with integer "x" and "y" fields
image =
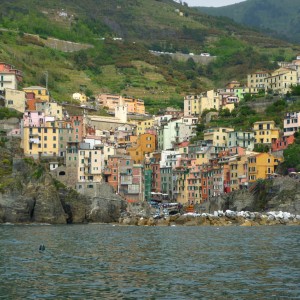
{"x": 218, "y": 218}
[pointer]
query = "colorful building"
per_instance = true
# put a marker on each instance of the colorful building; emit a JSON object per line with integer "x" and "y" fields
{"x": 40, "y": 92}
{"x": 282, "y": 143}
{"x": 217, "y": 136}
{"x": 265, "y": 132}
{"x": 40, "y": 140}
{"x": 145, "y": 144}
{"x": 261, "y": 166}
{"x": 291, "y": 123}
{"x": 281, "y": 80}
{"x": 143, "y": 126}
{"x": 244, "y": 139}
{"x": 15, "y": 99}
{"x": 256, "y": 81}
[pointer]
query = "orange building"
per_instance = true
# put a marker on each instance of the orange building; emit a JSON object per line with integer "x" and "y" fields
{"x": 145, "y": 144}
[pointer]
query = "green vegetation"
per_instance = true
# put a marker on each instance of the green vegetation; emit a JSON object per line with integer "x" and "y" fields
{"x": 295, "y": 90}
{"x": 278, "y": 18}
{"x": 291, "y": 154}
{"x": 126, "y": 67}
{"x": 6, "y": 113}
{"x": 261, "y": 148}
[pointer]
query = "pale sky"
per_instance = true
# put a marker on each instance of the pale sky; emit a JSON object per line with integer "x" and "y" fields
{"x": 215, "y": 3}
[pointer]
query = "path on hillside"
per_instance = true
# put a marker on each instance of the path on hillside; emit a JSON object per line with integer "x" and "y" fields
{"x": 65, "y": 46}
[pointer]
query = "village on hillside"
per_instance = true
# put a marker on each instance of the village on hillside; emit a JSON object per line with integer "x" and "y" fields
{"x": 150, "y": 158}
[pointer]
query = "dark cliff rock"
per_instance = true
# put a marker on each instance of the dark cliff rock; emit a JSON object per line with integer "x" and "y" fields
{"x": 34, "y": 196}
{"x": 278, "y": 194}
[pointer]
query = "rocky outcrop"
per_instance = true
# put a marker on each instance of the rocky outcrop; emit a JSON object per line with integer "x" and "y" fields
{"x": 34, "y": 196}
{"x": 219, "y": 218}
{"x": 281, "y": 194}
{"x": 107, "y": 207}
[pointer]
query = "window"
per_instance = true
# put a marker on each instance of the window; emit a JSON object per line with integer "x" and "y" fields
{"x": 45, "y": 130}
{"x": 54, "y": 146}
{"x": 45, "y": 145}
{"x": 45, "y": 138}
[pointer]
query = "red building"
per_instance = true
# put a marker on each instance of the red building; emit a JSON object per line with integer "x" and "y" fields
{"x": 7, "y": 68}
{"x": 282, "y": 143}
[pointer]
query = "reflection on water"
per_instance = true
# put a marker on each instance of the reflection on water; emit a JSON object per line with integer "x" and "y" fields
{"x": 112, "y": 262}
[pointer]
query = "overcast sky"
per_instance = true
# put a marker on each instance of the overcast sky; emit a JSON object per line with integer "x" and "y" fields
{"x": 215, "y": 3}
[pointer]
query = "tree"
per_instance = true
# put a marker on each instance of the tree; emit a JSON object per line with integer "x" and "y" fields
{"x": 261, "y": 148}
{"x": 292, "y": 157}
{"x": 248, "y": 97}
{"x": 295, "y": 90}
{"x": 225, "y": 113}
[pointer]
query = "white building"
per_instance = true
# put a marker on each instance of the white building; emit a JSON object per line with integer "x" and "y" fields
{"x": 291, "y": 123}
{"x": 242, "y": 139}
{"x": 8, "y": 81}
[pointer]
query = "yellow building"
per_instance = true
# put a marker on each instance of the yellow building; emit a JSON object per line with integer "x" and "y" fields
{"x": 40, "y": 92}
{"x": 15, "y": 99}
{"x": 81, "y": 97}
{"x": 145, "y": 144}
{"x": 238, "y": 171}
{"x": 218, "y": 136}
{"x": 142, "y": 126}
{"x": 261, "y": 166}
{"x": 50, "y": 109}
{"x": 181, "y": 188}
{"x": 41, "y": 140}
{"x": 209, "y": 100}
{"x": 265, "y": 132}
{"x": 256, "y": 81}
{"x": 191, "y": 105}
{"x": 281, "y": 80}
{"x": 195, "y": 105}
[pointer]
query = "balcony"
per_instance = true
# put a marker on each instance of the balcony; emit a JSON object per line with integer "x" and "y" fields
{"x": 34, "y": 141}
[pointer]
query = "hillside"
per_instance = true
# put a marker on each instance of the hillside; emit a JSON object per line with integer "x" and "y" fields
{"x": 275, "y": 17}
{"x": 125, "y": 65}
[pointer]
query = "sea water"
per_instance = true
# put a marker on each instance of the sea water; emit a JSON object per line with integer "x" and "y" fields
{"x": 123, "y": 262}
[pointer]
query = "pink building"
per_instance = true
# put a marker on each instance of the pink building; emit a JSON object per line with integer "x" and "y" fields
{"x": 126, "y": 178}
{"x": 110, "y": 101}
{"x": 77, "y": 125}
{"x": 156, "y": 177}
{"x": 33, "y": 118}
